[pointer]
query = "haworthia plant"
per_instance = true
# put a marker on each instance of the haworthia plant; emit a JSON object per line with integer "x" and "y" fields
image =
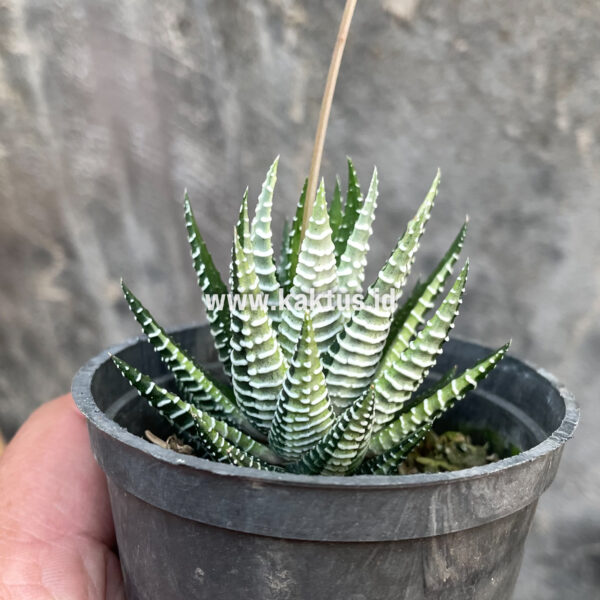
{"x": 318, "y": 385}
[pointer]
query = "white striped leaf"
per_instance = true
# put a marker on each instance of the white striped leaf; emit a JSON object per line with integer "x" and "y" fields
{"x": 351, "y": 268}
{"x": 434, "y": 405}
{"x": 262, "y": 244}
{"x": 315, "y": 274}
{"x": 211, "y": 284}
{"x": 342, "y": 450}
{"x": 258, "y": 363}
{"x": 303, "y": 414}
{"x": 411, "y": 314}
{"x": 197, "y": 387}
{"x": 396, "y": 383}
{"x": 352, "y": 360}
{"x": 189, "y": 420}
{"x": 388, "y": 462}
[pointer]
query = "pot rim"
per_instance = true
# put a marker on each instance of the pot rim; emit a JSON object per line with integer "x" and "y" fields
{"x": 82, "y": 394}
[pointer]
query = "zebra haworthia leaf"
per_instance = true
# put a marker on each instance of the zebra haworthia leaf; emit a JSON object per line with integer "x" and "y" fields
{"x": 395, "y": 384}
{"x": 303, "y": 414}
{"x": 295, "y": 237}
{"x": 388, "y": 462}
{"x": 259, "y": 359}
{"x": 198, "y": 388}
{"x": 342, "y": 450}
{"x": 211, "y": 284}
{"x": 186, "y": 417}
{"x": 336, "y": 212}
{"x": 351, "y": 268}
{"x": 435, "y": 404}
{"x": 284, "y": 255}
{"x": 315, "y": 274}
{"x": 220, "y": 449}
{"x": 351, "y": 210}
{"x": 410, "y": 316}
{"x": 262, "y": 244}
{"x": 352, "y": 360}
{"x": 239, "y": 366}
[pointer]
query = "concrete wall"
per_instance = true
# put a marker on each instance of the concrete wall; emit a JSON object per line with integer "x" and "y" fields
{"x": 109, "y": 109}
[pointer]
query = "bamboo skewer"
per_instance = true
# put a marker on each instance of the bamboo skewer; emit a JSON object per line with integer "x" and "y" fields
{"x": 334, "y": 68}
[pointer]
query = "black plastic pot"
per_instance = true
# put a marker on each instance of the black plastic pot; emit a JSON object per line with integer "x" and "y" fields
{"x": 188, "y": 528}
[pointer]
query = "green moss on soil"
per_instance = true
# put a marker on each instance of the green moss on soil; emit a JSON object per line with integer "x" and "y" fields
{"x": 455, "y": 450}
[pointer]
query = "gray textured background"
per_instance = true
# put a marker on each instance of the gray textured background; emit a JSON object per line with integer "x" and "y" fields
{"x": 109, "y": 109}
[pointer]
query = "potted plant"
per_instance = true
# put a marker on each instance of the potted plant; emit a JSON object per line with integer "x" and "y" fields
{"x": 279, "y": 429}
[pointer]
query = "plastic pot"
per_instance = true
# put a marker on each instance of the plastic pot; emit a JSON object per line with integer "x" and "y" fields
{"x": 190, "y": 528}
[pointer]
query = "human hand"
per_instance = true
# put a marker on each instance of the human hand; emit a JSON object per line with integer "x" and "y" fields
{"x": 57, "y": 540}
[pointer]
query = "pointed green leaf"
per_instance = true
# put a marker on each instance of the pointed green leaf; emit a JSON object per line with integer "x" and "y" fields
{"x": 352, "y": 360}
{"x": 239, "y": 366}
{"x": 432, "y": 407}
{"x": 262, "y": 244}
{"x": 221, "y": 450}
{"x": 186, "y": 417}
{"x": 316, "y": 274}
{"x": 211, "y": 284}
{"x": 258, "y": 365}
{"x": 295, "y": 239}
{"x": 353, "y": 204}
{"x": 388, "y": 462}
{"x": 351, "y": 268}
{"x": 284, "y": 254}
{"x": 396, "y": 383}
{"x": 198, "y": 388}
{"x": 342, "y": 450}
{"x": 411, "y": 314}
{"x": 303, "y": 414}
{"x": 336, "y": 211}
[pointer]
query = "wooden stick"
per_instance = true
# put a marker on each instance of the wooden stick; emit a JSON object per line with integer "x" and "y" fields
{"x": 317, "y": 155}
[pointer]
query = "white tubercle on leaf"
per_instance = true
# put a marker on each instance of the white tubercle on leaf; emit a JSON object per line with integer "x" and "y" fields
{"x": 352, "y": 360}
{"x": 303, "y": 414}
{"x": 258, "y": 364}
{"x": 262, "y": 244}
{"x": 315, "y": 274}
{"x": 396, "y": 383}
{"x": 351, "y": 268}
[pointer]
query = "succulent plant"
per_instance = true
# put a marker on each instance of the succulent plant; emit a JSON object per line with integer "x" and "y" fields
{"x": 311, "y": 384}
